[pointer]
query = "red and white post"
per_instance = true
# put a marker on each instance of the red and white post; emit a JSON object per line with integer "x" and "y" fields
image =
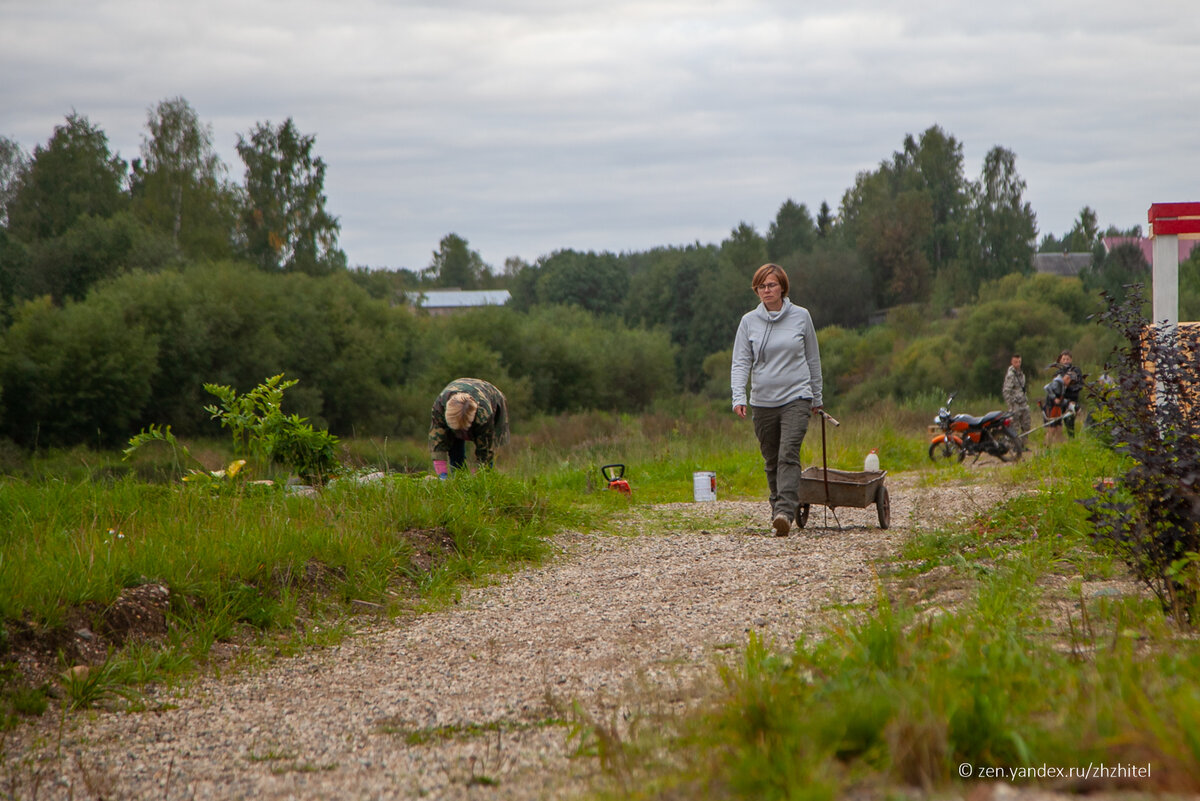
{"x": 1169, "y": 222}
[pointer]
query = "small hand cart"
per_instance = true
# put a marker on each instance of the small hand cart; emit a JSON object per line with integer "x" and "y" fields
{"x": 834, "y": 488}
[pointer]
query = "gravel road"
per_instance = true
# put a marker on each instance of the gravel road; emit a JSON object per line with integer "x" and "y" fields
{"x": 469, "y": 702}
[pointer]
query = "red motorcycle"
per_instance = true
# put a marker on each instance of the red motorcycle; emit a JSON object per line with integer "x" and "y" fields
{"x": 962, "y": 435}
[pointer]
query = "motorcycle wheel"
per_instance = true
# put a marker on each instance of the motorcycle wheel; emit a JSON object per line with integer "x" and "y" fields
{"x": 945, "y": 451}
{"x": 1012, "y": 446}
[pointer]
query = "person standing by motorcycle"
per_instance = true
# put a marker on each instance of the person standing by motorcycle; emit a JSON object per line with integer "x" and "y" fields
{"x": 1072, "y": 378}
{"x": 1015, "y": 397}
{"x": 775, "y": 351}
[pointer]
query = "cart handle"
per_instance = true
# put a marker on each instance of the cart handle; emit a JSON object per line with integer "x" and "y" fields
{"x": 828, "y": 416}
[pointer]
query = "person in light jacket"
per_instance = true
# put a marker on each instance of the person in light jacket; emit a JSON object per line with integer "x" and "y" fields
{"x": 775, "y": 351}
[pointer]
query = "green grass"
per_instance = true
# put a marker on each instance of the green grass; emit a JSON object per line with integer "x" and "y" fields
{"x": 246, "y": 552}
{"x": 431, "y": 734}
{"x": 661, "y": 450}
{"x": 1025, "y": 671}
{"x": 86, "y": 686}
{"x": 1026, "y": 668}
{"x": 249, "y": 563}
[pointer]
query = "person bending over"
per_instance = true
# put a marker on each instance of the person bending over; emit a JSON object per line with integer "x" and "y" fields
{"x": 467, "y": 410}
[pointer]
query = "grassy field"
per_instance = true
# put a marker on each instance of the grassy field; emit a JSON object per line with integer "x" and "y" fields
{"x": 1052, "y": 669}
{"x": 244, "y": 561}
{"x": 1033, "y": 667}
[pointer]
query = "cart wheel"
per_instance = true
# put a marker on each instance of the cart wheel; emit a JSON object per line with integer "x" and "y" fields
{"x": 802, "y": 517}
{"x": 883, "y": 506}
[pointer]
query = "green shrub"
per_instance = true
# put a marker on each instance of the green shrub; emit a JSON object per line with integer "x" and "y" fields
{"x": 260, "y": 428}
{"x": 74, "y": 375}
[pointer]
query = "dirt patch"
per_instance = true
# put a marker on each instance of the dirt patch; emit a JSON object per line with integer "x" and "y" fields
{"x": 38, "y": 653}
{"x": 430, "y": 546}
{"x": 139, "y": 613}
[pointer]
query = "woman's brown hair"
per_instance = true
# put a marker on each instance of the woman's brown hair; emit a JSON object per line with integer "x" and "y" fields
{"x": 765, "y": 272}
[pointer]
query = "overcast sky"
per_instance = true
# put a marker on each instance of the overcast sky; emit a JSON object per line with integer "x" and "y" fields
{"x": 529, "y": 126}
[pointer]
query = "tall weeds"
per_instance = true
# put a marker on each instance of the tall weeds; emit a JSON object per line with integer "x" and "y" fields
{"x": 662, "y": 449}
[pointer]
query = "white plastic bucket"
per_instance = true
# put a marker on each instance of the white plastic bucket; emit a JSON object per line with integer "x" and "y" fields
{"x": 704, "y": 485}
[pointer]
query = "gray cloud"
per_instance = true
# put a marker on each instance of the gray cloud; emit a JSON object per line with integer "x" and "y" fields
{"x": 526, "y": 127}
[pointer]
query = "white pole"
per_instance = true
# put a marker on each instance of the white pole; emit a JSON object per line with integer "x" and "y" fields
{"x": 1165, "y": 280}
{"x": 1165, "y": 277}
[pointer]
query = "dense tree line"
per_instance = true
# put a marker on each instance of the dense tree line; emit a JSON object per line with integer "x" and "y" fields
{"x": 139, "y": 348}
{"x": 125, "y": 287}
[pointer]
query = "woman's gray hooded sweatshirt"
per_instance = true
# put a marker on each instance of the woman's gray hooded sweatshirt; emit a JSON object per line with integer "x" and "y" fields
{"x": 777, "y": 352}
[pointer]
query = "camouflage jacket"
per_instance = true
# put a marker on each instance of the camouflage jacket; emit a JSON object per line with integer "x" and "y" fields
{"x": 489, "y": 429}
{"x": 1014, "y": 388}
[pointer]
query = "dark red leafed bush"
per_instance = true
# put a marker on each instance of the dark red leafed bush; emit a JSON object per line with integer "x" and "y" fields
{"x": 1149, "y": 408}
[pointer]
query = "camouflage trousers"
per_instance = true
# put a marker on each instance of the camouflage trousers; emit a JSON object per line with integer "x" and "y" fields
{"x": 1021, "y": 418}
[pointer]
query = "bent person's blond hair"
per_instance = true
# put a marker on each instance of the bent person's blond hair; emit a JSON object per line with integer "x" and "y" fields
{"x": 460, "y": 411}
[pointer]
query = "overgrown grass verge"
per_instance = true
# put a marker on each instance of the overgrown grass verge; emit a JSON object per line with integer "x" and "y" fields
{"x": 1039, "y": 673}
{"x": 247, "y": 562}
{"x": 663, "y": 448}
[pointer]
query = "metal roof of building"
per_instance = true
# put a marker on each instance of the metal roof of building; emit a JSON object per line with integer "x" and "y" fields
{"x": 461, "y": 298}
{"x": 1061, "y": 263}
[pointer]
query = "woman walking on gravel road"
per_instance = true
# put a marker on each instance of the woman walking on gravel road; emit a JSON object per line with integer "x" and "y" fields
{"x": 775, "y": 352}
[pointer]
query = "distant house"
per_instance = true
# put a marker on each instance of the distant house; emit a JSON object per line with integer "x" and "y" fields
{"x": 1073, "y": 263}
{"x": 1061, "y": 263}
{"x": 1146, "y": 245}
{"x": 448, "y": 301}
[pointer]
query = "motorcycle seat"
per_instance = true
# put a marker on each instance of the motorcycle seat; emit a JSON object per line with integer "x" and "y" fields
{"x": 975, "y": 422}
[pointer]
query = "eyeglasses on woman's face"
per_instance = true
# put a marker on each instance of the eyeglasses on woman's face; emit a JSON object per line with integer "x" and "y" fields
{"x": 768, "y": 286}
